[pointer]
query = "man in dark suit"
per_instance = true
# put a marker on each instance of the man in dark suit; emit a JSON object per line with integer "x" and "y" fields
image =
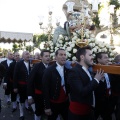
{"x": 9, "y": 78}
{"x": 2, "y": 72}
{"x": 6, "y": 84}
{"x": 34, "y": 86}
{"x": 20, "y": 79}
{"x": 115, "y": 91}
{"x": 82, "y": 86}
{"x": 103, "y": 91}
{"x": 55, "y": 88}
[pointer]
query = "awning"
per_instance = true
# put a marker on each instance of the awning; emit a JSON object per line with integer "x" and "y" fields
{"x": 15, "y": 36}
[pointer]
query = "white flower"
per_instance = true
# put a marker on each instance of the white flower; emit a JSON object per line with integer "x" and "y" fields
{"x": 92, "y": 35}
{"x": 74, "y": 50}
{"x": 105, "y": 49}
{"x": 89, "y": 40}
{"x": 74, "y": 38}
{"x": 51, "y": 50}
{"x": 74, "y": 34}
{"x": 107, "y": 45}
{"x": 74, "y": 58}
{"x": 60, "y": 41}
{"x": 92, "y": 39}
{"x": 93, "y": 44}
{"x": 99, "y": 50}
{"x": 90, "y": 44}
{"x": 51, "y": 47}
{"x": 72, "y": 45}
{"x": 69, "y": 49}
{"x": 66, "y": 38}
{"x": 93, "y": 55}
{"x": 61, "y": 37}
{"x": 96, "y": 42}
{"x": 111, "y": 54}
{"x": 48, "y": 48}
{"x": 87, "y": 35}
{"x": 94, "y": 49}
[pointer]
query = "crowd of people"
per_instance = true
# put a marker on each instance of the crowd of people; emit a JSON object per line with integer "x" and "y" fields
{"x": 71, "y": 90}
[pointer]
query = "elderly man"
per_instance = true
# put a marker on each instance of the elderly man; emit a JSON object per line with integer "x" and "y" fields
{"x": 6, "y": 84}
{"x": 21, "y": 73}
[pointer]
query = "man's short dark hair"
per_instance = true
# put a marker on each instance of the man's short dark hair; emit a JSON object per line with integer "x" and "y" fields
{"x": 43, "y": 51}
{"x": 82, "y": 51}
{"x": 117, "y": 58}
{"x": 99, "y": 55}
{"x": 56, "y": 53}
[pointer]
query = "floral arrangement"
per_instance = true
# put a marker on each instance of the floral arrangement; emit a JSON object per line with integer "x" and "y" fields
{"x": 71, "y": 48}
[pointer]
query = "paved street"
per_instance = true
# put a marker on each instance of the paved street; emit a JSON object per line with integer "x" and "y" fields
{"x": 6, "y": 113}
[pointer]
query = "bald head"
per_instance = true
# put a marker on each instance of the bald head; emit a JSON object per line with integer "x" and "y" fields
{"x": 26, "y": 55}
{"x": 37, "y": 55}
{"x": 10, "y": 55}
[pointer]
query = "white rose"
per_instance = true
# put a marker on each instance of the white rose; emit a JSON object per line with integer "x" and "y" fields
{"x": 93, "y": 44}
{"x": 96, "y": 42}
{"x": 92, "y": 35}
{"x": 74, "y": 58}
{"x": 60, "y": 41}
{"x": 51, "y": 50}
{"x": 111, "y": 54}
{"x": 92, "y": 39}
{"x": 69, "y": 49}
{"x": 74, "y": 50}
{"x": 74, "y": 42}
{"x": 89, "y": 40}
{"x": 74, "y": 34}
{"x": 90, "y": 44}
{"x": 66, "y": 38}
{"x": 61, "y": 37}
{"x": 74, "y": 38}
{"x": 72, "y": 45}
{"x": 105, "y": 49}
{"x": 94, "y": 49}
{"x": 99, "y": 50}
{"x": 48, "y": 48}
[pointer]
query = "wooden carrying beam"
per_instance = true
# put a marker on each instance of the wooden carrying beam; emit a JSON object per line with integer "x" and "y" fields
{"x": 112, "y": 69}
{"x": 35, "y": 61}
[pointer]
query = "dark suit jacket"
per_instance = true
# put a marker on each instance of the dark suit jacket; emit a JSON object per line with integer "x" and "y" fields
{"x": 10, "y": 72}
{"x": 101, "y": 91}
{"x": 52, "y": 84}
{"x": 115, "y": 84}
{"x": 5, "y": 65}
{"x": 81, "y": 88}
{"x": 35, "y": 79}
{"x": 2, "y": 72}
{"x": 20, "y": 73}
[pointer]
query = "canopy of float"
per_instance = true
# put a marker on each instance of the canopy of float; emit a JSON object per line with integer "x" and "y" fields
{"x": 11, "y": 37}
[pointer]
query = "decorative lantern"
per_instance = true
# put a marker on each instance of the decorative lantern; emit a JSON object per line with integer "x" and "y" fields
{"x": 70, "y": 7}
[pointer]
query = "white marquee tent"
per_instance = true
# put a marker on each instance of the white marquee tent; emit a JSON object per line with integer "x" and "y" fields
{"x": 15, "y": 37}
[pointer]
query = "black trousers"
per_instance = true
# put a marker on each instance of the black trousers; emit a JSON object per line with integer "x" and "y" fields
{"x": 22, "y": 90}
{"x": 103, "y": 108}
{"x": 59, "y": 108}
{"x": 72, "y": 116}
{"x": 115, "y": 106}
{"x": 13, "y": 94}
{"x": 39, "y": 104}
{"x": 7, "y": 91}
